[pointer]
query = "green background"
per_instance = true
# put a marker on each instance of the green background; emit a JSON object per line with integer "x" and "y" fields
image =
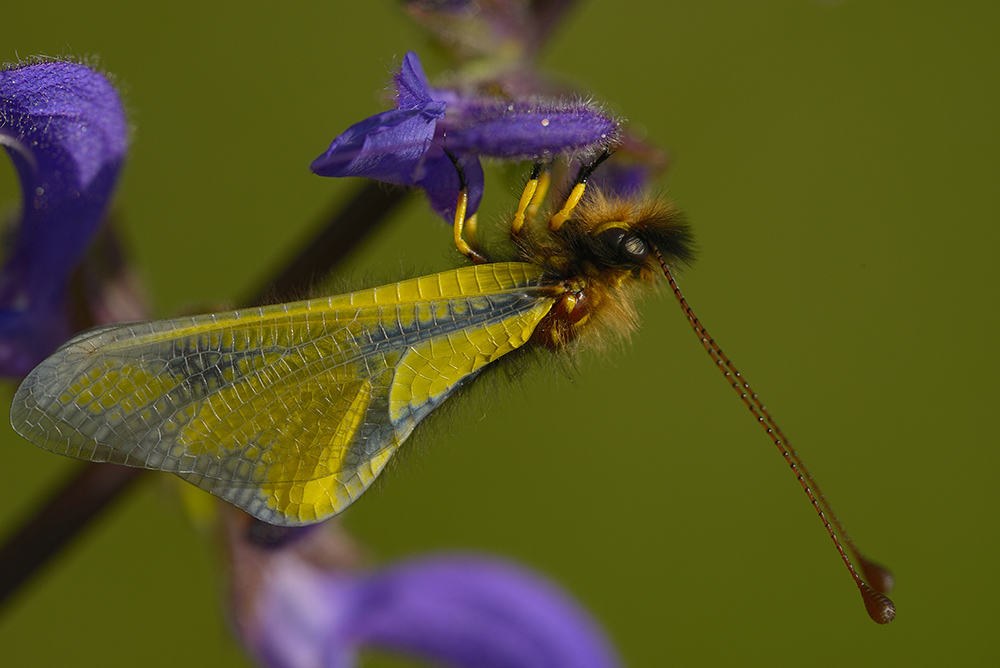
{"x": 839, "y": 163}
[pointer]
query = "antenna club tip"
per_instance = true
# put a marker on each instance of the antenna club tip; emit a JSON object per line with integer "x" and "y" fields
{"x": 880, "y": 608}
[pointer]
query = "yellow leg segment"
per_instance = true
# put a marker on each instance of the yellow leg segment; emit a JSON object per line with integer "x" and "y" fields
{"x": 470, "y": 230}
{"x": 526, "y": 198}
{"x": 543, "y": 189}
{"x": 531, "y": 199}
{"x": 563, "y": 214}
{"x": 468, "y": 251}
{"x": 556, "y": 221}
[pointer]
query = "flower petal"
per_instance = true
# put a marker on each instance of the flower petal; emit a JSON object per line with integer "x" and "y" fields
{"x": 474, "y": 612}
{"x": 461, "y": 611}
{"x": 387, "y": 146}
{"x": 412, "y": 89}
{"x": 528, "y": 131}
{"x": 64, "y": 126}
{"x": 439, "y": 179}
{"x": 636, "y": 166}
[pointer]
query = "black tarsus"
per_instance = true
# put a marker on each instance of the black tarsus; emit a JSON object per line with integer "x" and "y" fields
{"x": 587, "y": 170}
{"x": 463, "y": 183}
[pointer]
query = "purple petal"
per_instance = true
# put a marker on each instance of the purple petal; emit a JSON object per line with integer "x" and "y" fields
{"x": 302, "y": 612}
{"x": 413, "y": 92}
{"x": 521, "y": 131}
{"x": 64, "y": 127}
{"x": 461, "y": 611}
{"x": 636, "y": 166}
{"x": 624, "y": 180}
{"x": 470, "y": 611}
{"x": 439, "y": 179}
{"x": 387, "y": 146}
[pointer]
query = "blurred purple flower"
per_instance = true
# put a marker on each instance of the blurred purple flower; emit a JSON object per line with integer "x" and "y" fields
{"x": 65, "y": 129}
{"x": 489, "y": 29}
{"x": 295, "y": 609}
{"x": 636, "y": 165}
{"x": 406, "y": 145}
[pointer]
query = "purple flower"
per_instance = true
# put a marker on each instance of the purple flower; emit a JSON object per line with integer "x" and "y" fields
{"x": 406, "y": 145}
{"x": 64, "y": 127}
{"x": 635, "y": 166}
{"x": 296, "y": 611}
{"x": 498, "y": 30}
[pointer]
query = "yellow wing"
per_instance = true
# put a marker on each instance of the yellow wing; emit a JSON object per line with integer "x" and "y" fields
{"x": 287, "y": 411}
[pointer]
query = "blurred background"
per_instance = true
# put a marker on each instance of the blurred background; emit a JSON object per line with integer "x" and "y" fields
{"x": 838, "y": 162}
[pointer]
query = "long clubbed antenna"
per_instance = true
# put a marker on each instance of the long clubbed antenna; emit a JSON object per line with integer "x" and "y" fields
{"x": 879, "y": 607}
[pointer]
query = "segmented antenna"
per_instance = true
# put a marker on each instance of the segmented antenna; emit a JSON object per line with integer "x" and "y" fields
{"x": 877, "y": 604}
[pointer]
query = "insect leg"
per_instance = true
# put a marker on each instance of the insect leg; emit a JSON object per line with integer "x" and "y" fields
{"x": 534, "y": 192}
{"x": 461, "y": 223}
{"x": 575, "y": 195}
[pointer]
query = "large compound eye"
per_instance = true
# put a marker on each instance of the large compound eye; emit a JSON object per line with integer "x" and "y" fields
{"x": 630, "y": 247}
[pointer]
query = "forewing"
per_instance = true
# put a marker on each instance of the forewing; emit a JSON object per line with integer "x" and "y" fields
{"x": 290, "y": 411}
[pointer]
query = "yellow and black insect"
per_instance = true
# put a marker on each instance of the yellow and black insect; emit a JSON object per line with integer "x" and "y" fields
{"x": 291, "y": 411}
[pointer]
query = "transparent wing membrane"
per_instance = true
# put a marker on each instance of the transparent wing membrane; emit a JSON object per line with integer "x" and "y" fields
{"x": 288, "y": 411}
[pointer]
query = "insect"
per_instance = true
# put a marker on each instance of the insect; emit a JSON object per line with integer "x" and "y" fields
{"x": 291, "y": 411}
